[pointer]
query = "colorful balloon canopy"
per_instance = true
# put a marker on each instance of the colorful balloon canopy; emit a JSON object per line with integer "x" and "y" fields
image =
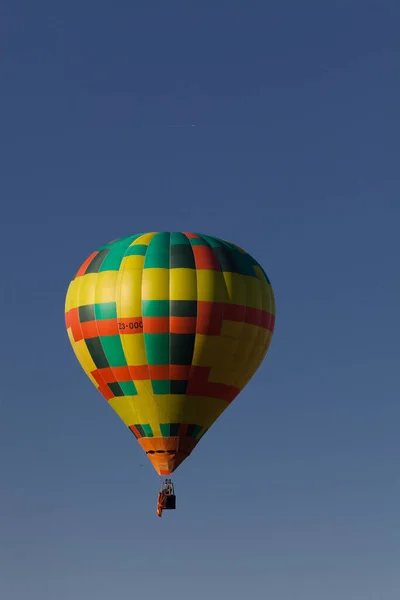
{"x": 170, "y": 327}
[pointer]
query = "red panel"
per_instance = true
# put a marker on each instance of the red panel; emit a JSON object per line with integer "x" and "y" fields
{"x": 89, "y": 329}
{"x": 156, "y": 324}
{"x": 183, "y": 324}
{"x": 209, "y": 318}
{"x": 122, "y": 374}
{"x": 268, "y": 321}
{"x": 182, "y": 430}
{"x": 103, "y": 376}
{"x": 179, "y": 372}
{"x": 139, "y": 372}
{"x": 253, "y": 316}
{"x": 234, "y": 312}
{"x": 246, "y": 314}
{"x": 205, "y": 258}
{"x": 86, "y": 264}
{"x": 130, "y": 325}
{"x": 108, "y": 327}
{"x": 72, "y": 320}
{"x": 107, "y": 393}
{"x": 159, "y": 372}
{"x": 135, "y": 431}
{"x": 200, "y": 386}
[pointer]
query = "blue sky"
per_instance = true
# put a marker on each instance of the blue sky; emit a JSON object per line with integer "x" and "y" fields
{"x": 294, "y": 156}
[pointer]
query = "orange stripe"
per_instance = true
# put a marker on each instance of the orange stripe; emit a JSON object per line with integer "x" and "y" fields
{"x": 183, "y": 324}
{"x": 105, "y": 390}
{"x": 130, "y": 325}
{"x": 89, "y": 329}
{"x": 234, "y": 312}
{"x": 200, "y": 386}
{"x": 209, "y": 318}
{"x": 139, "y": 372}
{"x": 107, "y": 327}
{"x": 159, "y": 372}
{"x": 122, "y": 374}
{"x": 111, "y": 375}
{"x": 156, "y": 324}
{"x": 179, "y": 372}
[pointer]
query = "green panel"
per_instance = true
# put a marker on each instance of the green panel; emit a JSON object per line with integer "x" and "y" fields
{"x": 115, "y": 243}
{"x": 157, "y": 348}
{"x": 161, "y": 386}
{"x": 113, "y": 260}
{"x": 197, "y": 242}
{"x": 155, "y": 308}
{"x": 105, "y": 310}
{"x": 244, "y": 261}
{"x": 212, "y": 241}
{"x": 96, "y": 262}
{"x": 196, "y": 431}
{"x": 128, "y": 387}
{"x": 111, "y": 245}
{"x": 86, "y": 313}
{"x": 147, "y": 430}
{"x": 165, "y": 429}
{"x": 136, "y": 250}
{"x": 182, "y": 348}
{"x": 157, "y": 255}
{"x": 113, "y": 350}
{"x": 116, "y": 389}
{"x": 178, "y": 238}
{"x": 97, "y": 353}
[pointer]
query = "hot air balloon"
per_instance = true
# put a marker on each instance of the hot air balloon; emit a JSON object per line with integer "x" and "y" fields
{"x": 170, "y": 327}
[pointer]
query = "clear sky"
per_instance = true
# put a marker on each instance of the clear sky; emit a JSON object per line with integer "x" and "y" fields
{"x": 294, "y": 155}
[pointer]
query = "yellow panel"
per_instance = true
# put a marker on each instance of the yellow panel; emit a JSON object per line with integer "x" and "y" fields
{"x": 87, "y": 288}
{"x": 156, "y": 409}
{"x": 239, "y": 331}
{"x": 253, "y": 355}
{"x": 134, "y": 349}
{"x": 242, "y": 379}
{"x": 260, "y": 274}
{"x": 248, "y": 341}
{"x": 106, "y": 286}
{"x": 203, "y": 410}
{"x": 155, "y": 284}
{"x": 253, "y": 291}
{"x": 144, "y": 239}
{"x": 144, "y": 388}
{"x": 169, "y": 408}
{"x": 83, "y": 356}
{"x": 222, "y": 374}
{"x": 132, "y": 262}
{"x": 129, "y": 293}
{"x": 183, "y": 284}
{"x": 267, "y": 295}
{"x": 125, "y": 408}
{"x": 72, "y": 299}
{"x": 236, "y": 287}
{"x": 211, "y": 349}
{"x": 211, "y": 286}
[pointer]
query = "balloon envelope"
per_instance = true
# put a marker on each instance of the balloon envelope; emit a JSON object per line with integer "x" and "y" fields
{"x": 170, "y": 327}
